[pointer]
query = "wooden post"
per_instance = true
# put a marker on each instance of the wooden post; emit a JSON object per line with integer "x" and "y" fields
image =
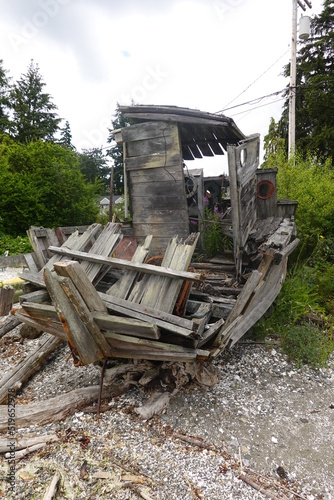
{"x": 6, "y": 300}
{"x": 111, "y": 192}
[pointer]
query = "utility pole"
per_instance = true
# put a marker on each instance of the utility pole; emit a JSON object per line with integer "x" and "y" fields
{"x": 293, "y": 63}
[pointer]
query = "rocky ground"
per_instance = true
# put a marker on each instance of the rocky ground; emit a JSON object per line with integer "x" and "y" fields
{"x": 265, "y": 430}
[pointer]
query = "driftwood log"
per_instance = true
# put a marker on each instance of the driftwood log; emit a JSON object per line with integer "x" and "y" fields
{"x": 54, "y": 409}
{"x": 8, "y": 324}
{"x": 21, "y": 443}
{"x": 21, "y": 372}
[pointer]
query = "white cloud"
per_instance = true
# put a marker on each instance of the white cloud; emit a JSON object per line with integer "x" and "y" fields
{"x": 201, "y": 54}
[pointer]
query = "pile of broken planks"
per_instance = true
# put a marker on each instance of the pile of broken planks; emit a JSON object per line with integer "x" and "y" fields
{"x": 134, "y": 319}
{"x": 178, "y": 311}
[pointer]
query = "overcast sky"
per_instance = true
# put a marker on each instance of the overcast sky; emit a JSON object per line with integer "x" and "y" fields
{"x": 202, "y": 54}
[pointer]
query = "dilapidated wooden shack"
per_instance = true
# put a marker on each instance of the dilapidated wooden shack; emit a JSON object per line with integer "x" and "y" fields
{"x": 164, "y": 304}
{"x": 155, "y": 150}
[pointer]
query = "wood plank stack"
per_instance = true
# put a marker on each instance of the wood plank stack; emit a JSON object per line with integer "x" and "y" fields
{"x": 176, "y": 311}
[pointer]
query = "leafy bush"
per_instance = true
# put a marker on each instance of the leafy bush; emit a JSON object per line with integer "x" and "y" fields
{"x": 311, "y": 183}
{"x": 41, "y": 184}
{"x": 14, "y": 245}
{"x": 307, "y": 345}
{"x": 297, "y": 297}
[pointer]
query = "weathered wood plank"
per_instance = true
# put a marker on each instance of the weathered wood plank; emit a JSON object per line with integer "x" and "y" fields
{"x": 127, "y": 326}
{"x": 74, "y": 271}
{"x": 210, "y": 333}
{"x": 124, "y": 264}
{"x": 85, "y": 315}
{"x": 34, "y": 278}
{"x": 147, "y": 130}
{"x": 165, "y": 175}
{"x": 243, "y": 297}
{"x": 54, "y": 409}
{"x": 169, "y": 322}
{"x": 21, "y": 372}
{"x": 146, "y": 291}
{"x": 36, "y": 297}
{"x": 30, "y": 262}
{"x": 146, "y": 349}
{"x": 79, "y": 337}
{"x": 201, "y": 317}
{"x": 262, "y": 299}
{"x": 123, "y": 286}
{"x": 104, "y": 245}
{"x": 161, "y": 294}
{"x": 168, "y": 159}
{"x": 243, "y": 162}
{"x": 48, "y": 325}
{"x": 153, "y": 145}
{"x": 8, "y": 324}
{"x": 77, "y": 242}
{"x": 41, "y": 311}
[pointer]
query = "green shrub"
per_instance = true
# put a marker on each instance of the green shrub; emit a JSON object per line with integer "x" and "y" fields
{"x": 298, "y": 319}
{"x": 306, "y": 344}
{"x": 214, "y": 240}
{"x": 14, "y": 245}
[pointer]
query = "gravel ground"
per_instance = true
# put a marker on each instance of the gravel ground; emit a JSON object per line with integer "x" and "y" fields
{"x": 265, "y": 418}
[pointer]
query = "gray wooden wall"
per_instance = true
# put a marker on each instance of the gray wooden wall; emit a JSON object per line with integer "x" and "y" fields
{"x": 154, "y": 167}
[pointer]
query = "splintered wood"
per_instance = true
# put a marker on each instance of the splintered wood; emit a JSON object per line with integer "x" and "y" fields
{"x": 171, "y": 312}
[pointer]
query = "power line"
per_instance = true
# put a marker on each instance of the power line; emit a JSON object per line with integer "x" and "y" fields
{"x": 254, "y": 100}
{"x": 258, "y": 78}
{"x": 257, "y": 107}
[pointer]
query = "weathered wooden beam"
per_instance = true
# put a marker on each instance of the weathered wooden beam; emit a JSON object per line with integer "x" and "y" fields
{"x": 85, "y": 315}
{"x": 54, "y": 409}
{"x": 78, "y": 242}
{"x": 128, "y": 326}
{"x": 169, "y": 322}
{"x": 124, "y": 264}
{"x": 74, "y": 271}
{"x": 78, "y": 335}
{"x": 134, "y": 348}
{"x": 54, "y": 327}
{"x": 210, "y": 333}
{"x": 21, "y": 372}
{"x": 36, "y": 297}
{"x": 243, "y": 297}
{"x": 8, "y": 324}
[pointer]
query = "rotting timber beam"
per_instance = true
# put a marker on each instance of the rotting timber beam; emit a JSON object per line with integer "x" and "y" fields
{"x": 125, "y": 264}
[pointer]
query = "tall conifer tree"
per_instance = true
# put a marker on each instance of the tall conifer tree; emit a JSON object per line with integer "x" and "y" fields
{"x": 34, "y": 112}
{"x": 315, "y": 88}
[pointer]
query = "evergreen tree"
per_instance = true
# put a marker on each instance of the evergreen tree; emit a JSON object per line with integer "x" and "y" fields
{"x": 4, "y": 99}
{"x": 66, "y": 136}
{"x": 94, "y": 166}
{"x": 273, "y": 145}
{"x": 116, "y": 151}
{"x": 315, "y": 88}
{"x": 34, "y": 111}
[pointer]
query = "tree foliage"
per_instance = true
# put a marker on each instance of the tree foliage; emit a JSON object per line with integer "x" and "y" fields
{"x": 94, "y": 166}
{"x": 34, "y": 114}
{"x": 116, "y": 151}
{"x": 41, "y": 184}
{"x": 311, "y": 183}
{"x": 4, "y": 99}
{"x": 315, "y": 88}
{"x": 66, "y": 136}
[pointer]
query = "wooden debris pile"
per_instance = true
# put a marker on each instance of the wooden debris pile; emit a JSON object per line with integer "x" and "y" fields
{"x": 147, "y": 312}
{"x": 133, "y": 318}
